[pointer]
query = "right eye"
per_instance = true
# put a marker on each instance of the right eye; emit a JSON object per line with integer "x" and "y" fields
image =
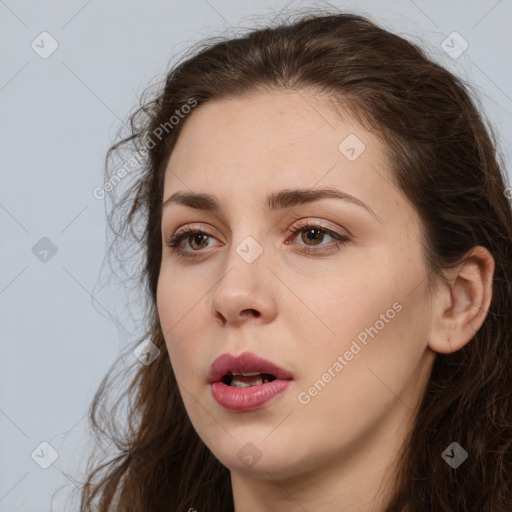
{"x": 195, "y": 237}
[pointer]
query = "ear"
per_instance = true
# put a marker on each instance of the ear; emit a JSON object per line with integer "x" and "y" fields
{"x": 461, "y": 305}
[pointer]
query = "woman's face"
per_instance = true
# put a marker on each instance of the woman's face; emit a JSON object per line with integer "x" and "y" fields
{"x": 348, "y": 320}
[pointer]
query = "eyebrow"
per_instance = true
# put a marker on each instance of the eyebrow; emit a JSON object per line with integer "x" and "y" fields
{"x": 280, "y": 200}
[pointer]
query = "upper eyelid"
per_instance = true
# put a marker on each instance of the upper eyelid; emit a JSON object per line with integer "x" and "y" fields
{"x": 300, "y": 221}
{"x": 189, "y": 228}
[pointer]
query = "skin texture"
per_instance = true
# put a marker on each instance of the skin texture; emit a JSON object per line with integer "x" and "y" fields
{"x": 302, "y": 311}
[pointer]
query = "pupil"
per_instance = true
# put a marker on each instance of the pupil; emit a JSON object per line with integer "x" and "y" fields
{"x": 309, "y": 237}
{"x": 198, "y": 236}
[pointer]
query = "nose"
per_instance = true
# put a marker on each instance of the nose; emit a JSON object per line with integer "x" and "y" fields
{"x": 245, "y": 291}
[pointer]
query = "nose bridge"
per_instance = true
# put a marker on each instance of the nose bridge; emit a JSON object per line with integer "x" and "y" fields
{"x": 244, "y": 266}
{"x": 244, "y": 283}
{"x": 249, "y": 244}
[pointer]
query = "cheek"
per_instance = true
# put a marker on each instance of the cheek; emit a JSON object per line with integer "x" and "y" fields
{"x": 352, "y": 381}
{"x": 367, "y": 316}
{"x": 181, "y": 309}
{"x": 372, "y": 359}
{"x": 171, "y": 313}
{"x": 339, "y": 306}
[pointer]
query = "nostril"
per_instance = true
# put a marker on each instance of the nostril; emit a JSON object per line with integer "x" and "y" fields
{"x": 252, "y": 312}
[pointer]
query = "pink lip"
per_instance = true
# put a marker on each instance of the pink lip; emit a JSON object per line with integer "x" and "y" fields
{"x": 251, "y": 398}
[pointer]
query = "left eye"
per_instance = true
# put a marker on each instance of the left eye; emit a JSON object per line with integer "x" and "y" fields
{"x": 313, "y": 233}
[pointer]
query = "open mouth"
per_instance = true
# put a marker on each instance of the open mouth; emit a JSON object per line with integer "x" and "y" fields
{"x": 246, "y": 382}
{"x": 247, "y": 379}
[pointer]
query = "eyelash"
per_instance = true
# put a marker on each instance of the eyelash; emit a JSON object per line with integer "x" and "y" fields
{"x": 174, "y": 241}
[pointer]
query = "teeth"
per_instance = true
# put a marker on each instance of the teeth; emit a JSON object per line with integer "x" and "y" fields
{"x": 238, "y": 383}
{"x": 248, "y": 379}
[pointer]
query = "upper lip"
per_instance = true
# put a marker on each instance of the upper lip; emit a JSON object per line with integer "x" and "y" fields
{"x": 245, "y": 362}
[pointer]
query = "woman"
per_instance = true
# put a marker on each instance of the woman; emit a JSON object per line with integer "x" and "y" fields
{"x": 369, "y": 370}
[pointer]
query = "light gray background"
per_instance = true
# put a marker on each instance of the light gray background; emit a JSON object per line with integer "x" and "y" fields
{"x": 57, "y": 118}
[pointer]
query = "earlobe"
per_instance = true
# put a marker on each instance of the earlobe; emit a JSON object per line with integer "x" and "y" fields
{"x": 461, "y": 306}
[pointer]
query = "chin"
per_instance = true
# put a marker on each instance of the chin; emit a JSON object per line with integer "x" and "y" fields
{"x": 261, "y": 458}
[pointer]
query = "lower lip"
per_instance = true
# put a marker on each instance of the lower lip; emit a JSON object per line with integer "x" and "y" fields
{"x": 247, "y": 399}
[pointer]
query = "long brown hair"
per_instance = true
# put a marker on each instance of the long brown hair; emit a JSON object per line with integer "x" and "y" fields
{"x": 444, "y": 157}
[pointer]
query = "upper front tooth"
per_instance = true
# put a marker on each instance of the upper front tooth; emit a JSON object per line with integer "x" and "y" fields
{"x": 248, "y": 374}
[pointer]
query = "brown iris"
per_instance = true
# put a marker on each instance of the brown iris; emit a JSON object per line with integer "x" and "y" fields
{"x": 309, "y": 238}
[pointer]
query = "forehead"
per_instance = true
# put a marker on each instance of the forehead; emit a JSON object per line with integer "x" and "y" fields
{"x": 268, "y": 141}
{"x": 278, "y": 124}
